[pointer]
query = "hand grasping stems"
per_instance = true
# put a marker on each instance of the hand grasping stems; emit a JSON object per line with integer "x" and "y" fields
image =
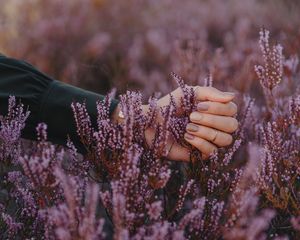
{"x": 213, "y": 123}
{"x": 210, "y": 126}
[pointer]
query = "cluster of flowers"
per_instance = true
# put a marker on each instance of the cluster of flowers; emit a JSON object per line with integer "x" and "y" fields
{"x": 124, "y": 188}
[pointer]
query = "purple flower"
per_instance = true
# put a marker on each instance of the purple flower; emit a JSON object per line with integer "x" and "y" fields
{"x": 271, "y": 73}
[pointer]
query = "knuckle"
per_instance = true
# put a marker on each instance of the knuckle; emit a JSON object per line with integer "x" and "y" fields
{"x": 212, "y": 149}
{"x": 217, "y": 108}
{"x": 233, "y": 108}
{"x": 210, "y": 89}
{"x": 201, "y": 118}
{"x": 191, "y": 116}
{"x": 228, "y": 140}
{"x": 234, "y": 124}
{"x": 211, "y": 134}
{"x": 199, "y": 142}
{"x": 195, "y": 117}
{"x": 196, "y": 87}
{"x": 201, "y": 130}
{"x": 208, "y": 119}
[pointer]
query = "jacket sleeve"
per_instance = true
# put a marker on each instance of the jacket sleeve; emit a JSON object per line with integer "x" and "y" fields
{"x": 48, "y": 100}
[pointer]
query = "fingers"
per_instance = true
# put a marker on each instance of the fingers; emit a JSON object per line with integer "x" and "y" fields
{"x": 201, "y": 93}
{"x": 179, "y": 153}
{"x": 225, "y": 124}
{"x": 217, "y": 108}
{"x": 213, "y": 94}
{"x": 201, "y": 144}
{"x": 219, "y": 138}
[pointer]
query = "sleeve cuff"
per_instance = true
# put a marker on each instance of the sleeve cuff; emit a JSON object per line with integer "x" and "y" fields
{"x": 57, "y": 113}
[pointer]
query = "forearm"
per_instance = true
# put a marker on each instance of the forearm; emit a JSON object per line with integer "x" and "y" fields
{"x": 58, "y": 115}
{"x": 48, "y": 100}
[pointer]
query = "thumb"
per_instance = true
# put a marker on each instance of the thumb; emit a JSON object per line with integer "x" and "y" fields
{"x": 179, "y": 153}
{"x": 213, "y": 94}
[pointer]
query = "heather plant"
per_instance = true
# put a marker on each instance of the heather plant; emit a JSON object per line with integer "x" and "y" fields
{"x": 125, "y": 188}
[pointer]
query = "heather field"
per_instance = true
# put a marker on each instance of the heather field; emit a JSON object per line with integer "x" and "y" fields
{"x": 136, "y": 51}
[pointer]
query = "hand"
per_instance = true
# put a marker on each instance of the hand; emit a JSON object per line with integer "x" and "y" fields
{"x": 211, "y": 125}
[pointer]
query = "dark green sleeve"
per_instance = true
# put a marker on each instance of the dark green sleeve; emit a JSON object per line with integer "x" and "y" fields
{"x": 49, "y": 100}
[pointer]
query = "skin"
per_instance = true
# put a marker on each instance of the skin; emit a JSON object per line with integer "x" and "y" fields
{"x": 213, "y": 121}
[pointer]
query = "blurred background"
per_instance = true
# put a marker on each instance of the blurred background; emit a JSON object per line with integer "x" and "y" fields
{"x": 136, "y": 44}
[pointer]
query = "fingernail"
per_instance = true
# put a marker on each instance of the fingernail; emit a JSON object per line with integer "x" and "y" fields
{"x": 192, "y": 127}
{"x": 195, "y": 116}
{"x": 188, "y": 136}
{"x": 230, "y": 93}
{"x": 202, "y": 107}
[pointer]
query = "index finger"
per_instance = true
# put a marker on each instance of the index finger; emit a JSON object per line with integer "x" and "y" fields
{"x": 212, "y": 94}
